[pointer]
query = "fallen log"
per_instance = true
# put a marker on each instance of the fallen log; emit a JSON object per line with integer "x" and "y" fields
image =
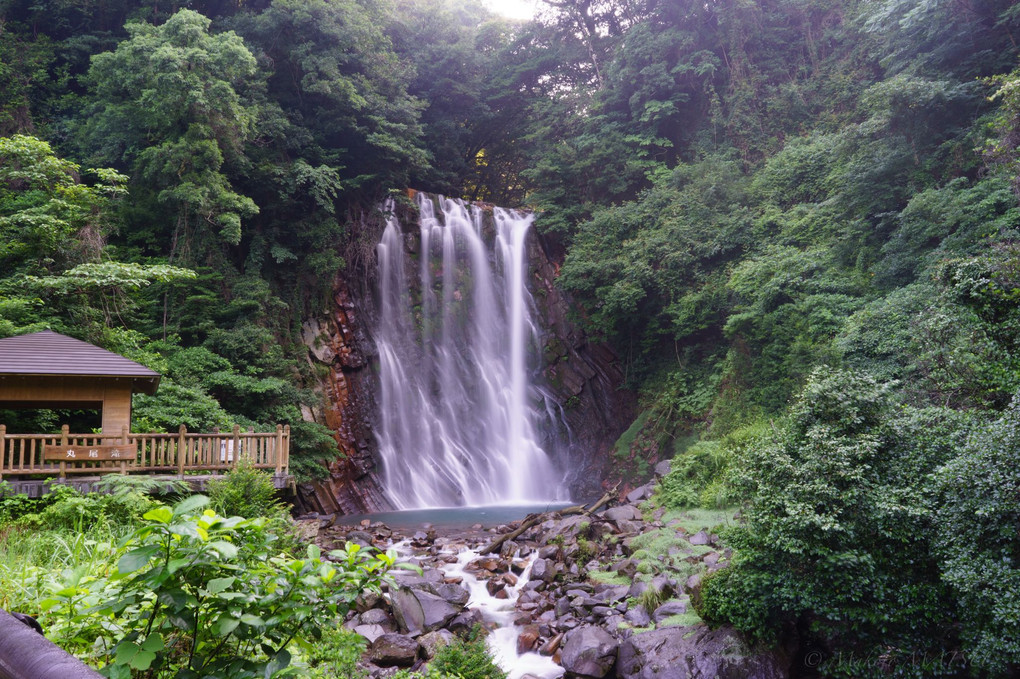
{"x": 534, "y": 519}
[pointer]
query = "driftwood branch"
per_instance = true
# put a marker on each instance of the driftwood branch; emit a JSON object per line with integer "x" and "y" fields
{"x": 532, "y": 520}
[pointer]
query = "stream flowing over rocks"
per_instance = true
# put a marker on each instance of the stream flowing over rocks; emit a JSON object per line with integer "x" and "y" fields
{"x": 600, "y": 595}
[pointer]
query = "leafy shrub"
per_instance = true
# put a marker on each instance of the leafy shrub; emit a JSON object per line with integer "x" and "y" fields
{"x": 699, "y": 474}
{"x": 467, "y": 658}
{"x": 977, "y": 540}
{"x": 839, "y": 531}
{"x": 196, "y": 594}
{"x": 692, "y": 472}
{"x": 244, "y": 491}
{"x": 64, "y": 508}
{"x": 336, "y": 653}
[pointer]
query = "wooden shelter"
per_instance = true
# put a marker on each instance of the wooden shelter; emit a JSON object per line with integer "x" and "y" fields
{"x": 49, "y": 370}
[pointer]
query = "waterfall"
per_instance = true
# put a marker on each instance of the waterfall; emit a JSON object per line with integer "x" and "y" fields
{"x": 459, "y": 411}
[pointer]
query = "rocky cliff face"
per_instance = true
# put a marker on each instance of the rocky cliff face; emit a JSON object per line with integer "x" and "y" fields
{"x": 584, "y": 378}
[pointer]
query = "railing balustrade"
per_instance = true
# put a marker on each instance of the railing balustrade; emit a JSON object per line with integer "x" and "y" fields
{"x": 178, "y": 453}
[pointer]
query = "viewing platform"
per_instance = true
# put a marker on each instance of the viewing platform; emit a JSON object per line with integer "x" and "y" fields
{"x": 27, "y": 461}
{"x": 47, "y": 370}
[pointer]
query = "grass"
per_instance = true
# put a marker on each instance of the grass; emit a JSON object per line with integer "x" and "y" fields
{"x": 688, "y": 619}
{"x": 608, "y": 578}
{"x": 29, "y": 559}
{"x": 696, "y": 519}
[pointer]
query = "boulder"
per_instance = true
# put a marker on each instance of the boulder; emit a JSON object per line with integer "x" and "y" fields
{"x": 668, "y": 609}
{"x": 677, "y": 653}
{"x": 408, "y": 611}
{"x": 640, "y": 493}
{"x": 527, "y": 639}
{"x": 393, "y": 650}
{"x": 433, "y": 641}
{"x": 622, "y": 513}
{"x": 588, "y": 651}
{"x": 375, "y": 616}
{"x": 419, "y": 611}
{"x": 454, "y": 594}
{"x": 550, "y": 647}
{"x": 700, "y": 538}
{"x": 543, "y": 570}
{"x": 663, "y": 468}
{"x": 466, "y": 621}
{"x": 371, "y": 632}
{"x": 638, "y": 616}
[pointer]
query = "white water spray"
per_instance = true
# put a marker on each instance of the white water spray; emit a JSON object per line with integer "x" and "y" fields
{"x": 458, "y": 406}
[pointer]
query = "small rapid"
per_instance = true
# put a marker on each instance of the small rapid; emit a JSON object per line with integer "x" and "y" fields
{"x": 498, "y": 614}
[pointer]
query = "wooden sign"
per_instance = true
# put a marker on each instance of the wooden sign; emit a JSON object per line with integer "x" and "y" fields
{"x": 89, "y": 453}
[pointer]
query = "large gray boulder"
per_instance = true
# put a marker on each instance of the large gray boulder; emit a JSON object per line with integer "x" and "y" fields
{"x": 622, "y": 513}
{"x": 393, "y": 650}
{"x": 677, "y": 653}
{"x": 418, "y": 611}
{"x": 588, "y": 652}
{"x": 668, "y": 609}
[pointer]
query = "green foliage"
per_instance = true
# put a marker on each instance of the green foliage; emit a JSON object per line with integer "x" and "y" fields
{"x": 170, "y": 102}
{"x": 978, "y": 510}
{"x": 195, "y": 594}
{"x": 64, "y": 508}
{"x": 467, "y": 658}
{"x": 245, "y": 491}
{"x": 837, "y": 485}
{"x": 337, "y": 653}
{"x": 173, "y": 405}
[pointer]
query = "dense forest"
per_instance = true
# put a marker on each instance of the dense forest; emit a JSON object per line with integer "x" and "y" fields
{"x": 796, "y": 221}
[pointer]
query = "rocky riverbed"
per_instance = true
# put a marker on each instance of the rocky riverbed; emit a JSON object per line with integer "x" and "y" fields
{"x": 605, "y": 594}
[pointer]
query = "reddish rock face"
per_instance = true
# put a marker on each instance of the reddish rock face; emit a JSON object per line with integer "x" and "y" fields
{"x": 348, "y": 385}
{"x": 584, "y": 377}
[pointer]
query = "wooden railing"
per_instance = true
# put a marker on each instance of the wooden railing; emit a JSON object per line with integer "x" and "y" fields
{"x": 23, "y": 454}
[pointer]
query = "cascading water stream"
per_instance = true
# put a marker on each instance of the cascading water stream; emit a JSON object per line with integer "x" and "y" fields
{"x": 458, "y": 407}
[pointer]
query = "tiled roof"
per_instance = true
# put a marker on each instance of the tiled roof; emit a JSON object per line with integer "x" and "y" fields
{"x": 50, "y": 353}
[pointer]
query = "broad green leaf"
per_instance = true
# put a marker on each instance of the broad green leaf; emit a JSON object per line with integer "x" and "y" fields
{"x": 177, "y": 564}
{"x": 225, "y": 625}
{"x": 225, "y": 549}
{"x": 253, "y": 620}
{"x": 189, "y": 505}
{"x": 134, "y": 656}
{"x": 136, "y": 558}
{"x": 154, "y": 642}
{"x": 160, "y": 514}
{"x": 279, "y": 662}
{"x": 217, "y": 585}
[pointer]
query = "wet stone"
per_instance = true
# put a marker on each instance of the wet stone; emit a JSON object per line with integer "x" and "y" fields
{"x": 638, "y": 616}
{"x": 668, "y": 609}
{"x": 700, "y": 538}
{"x": 433, "y": 641}
{"x": 393, "y": 650}
{"x": 589, "y": 651}
{"x": 527, "y": 639}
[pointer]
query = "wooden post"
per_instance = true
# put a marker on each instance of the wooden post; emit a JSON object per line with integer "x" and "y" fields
{"x": 63, "y": 442}
{"x": 3, "y": 448}
{"x": 180, "y": 449}
{"x": 277, "y": 451}
{"x": 286, "y": 449}
{"x": 237, "y": 444}
{"x": 124, "y": 442}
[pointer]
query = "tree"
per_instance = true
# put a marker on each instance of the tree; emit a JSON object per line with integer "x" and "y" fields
{"x": 171, "y": 104}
